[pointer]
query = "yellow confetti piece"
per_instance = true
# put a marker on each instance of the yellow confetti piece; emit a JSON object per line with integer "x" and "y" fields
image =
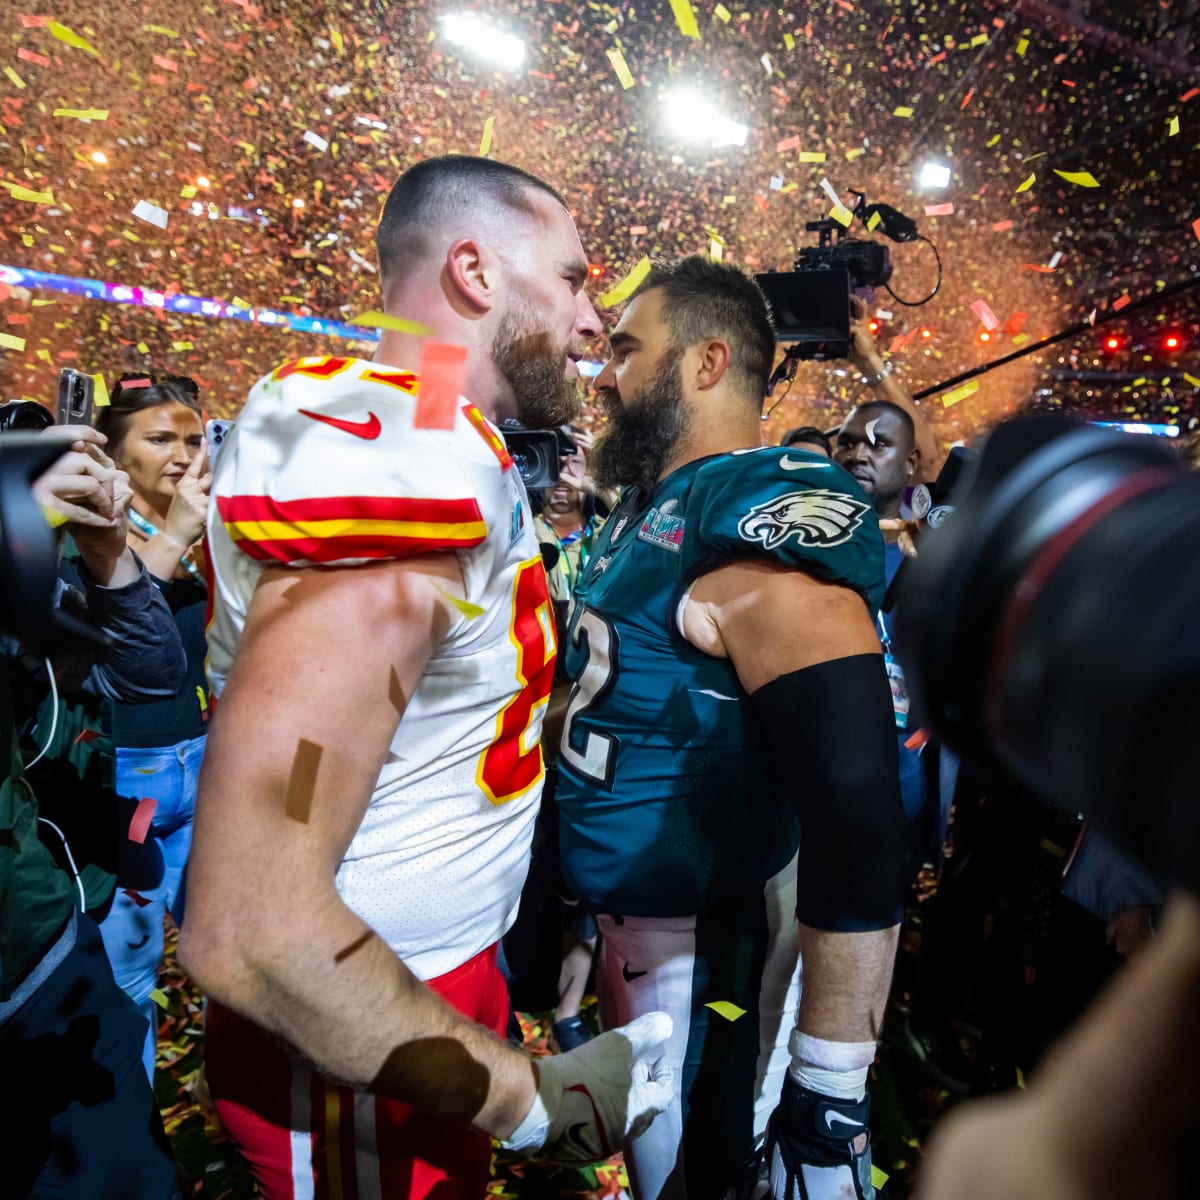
{"x": 685, "y": 18}
{"x": 324, "y": 269}
{"x": 624, "y": 75}
{"x": 960, "y": 393}
{"x": 716, "y": 249}
{"x": 160, "y": 998}
{"x": 726, "y": 1009}
{"x": 1026, "y": 185}
{"x": 1022, "y": 46}
{"x": 873, "y": 220}
{"x": 182, "y": 346}
{"x": 100, "y": 393}
{"x": 485, "y": 142}
{"x": 1019, "y": 339}
{"x": 44, "y": 356}
{"x": 336, "y": 39}
{"x": 125, "y": 233}
{"x": 17, "y": 192}
{"x": 878, "y": 1176}
{"x": 789, "y": 41}
{"x": 83, "y": 114}
{"x": 1172, "y": 127}
{"x": 1079, "y": 178}
{"x": 53, "y": 517}
{"x": 246, "y": 147}
{"x": 842, "y": 215}
{"x": 856, "y": 152}
{"x": 16, "y": 79}
{"x": 903, "y": 111}
{"x": 71, "y": 38}
{"x": 980, "y": 39}
{"x": 627, "y": 286}
{"x": 43, "y": 303}
{"x": 382, "y": 320}
{"x": 722, "y": 13}
{"x": 812, "y": 156}
{"x": 471, "y": 611}
{"x": 238, "y": 302}
{"x": 187, "y": 191}
{"x": 11, "y": 342}
{"x": 1020, "y": 1079}
{"x": 1191, "y": 379}
{"x": 142, "y": 348}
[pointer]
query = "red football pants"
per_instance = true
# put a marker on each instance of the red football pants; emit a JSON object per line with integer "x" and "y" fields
{"x": 306, "y": 1138}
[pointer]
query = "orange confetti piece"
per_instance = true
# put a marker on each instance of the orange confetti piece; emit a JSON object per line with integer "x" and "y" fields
{"x": 39, "y": 60}
{"x": 442, "y": 371}
{"x": 1196, "y": 227}
{"x": 788, "y": 143}
{"x": 139, "y": 824}
{"x": 167, "y": 64}
{"x": 1121, "y": 302}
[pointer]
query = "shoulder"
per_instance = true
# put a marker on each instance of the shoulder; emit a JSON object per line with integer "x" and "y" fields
{"x": 791, "y": 506}
{"x": 330, "y": 461}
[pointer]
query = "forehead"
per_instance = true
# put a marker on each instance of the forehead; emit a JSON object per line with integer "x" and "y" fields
{"x": 642, "y": 315}
{"x": 167, "y": 416}
{"x": 887, "y": 424}
{"x": 556, "y": 224}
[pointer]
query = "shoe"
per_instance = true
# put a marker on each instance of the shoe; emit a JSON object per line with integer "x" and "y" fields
{"x": 571, "y": 1033}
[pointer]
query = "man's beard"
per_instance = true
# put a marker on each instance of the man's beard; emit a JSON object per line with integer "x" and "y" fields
{"x": 533, "y": 366}
{"x": 640, "y": 436}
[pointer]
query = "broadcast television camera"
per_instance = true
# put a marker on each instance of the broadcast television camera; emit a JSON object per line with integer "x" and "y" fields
{"x": 1049, "y": 629}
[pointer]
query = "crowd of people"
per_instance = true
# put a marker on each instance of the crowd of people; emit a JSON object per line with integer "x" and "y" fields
{"x": 344, "y": 650}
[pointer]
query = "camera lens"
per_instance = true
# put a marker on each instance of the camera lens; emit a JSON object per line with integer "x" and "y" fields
{"x": 24, "y": 415}
{"x": 1049, "y": 628}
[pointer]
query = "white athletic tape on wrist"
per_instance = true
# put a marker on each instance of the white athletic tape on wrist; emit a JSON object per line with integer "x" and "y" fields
{"x": 533, "y": 1131}
{"x": 837, "y": 1069}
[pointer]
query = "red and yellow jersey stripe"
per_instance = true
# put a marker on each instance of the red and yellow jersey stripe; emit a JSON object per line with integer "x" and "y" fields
{"x": 333, "y": 529}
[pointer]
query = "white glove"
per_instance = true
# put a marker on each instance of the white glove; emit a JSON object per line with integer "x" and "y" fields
{"x": 593, "y": 1099}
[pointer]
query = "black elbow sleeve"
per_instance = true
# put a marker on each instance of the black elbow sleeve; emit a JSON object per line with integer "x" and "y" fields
{"x": 831, "y": 735}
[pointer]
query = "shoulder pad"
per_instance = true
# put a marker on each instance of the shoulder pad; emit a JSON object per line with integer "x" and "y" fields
{"x": 789, "y": 505}
{"x": 325, "y": 466}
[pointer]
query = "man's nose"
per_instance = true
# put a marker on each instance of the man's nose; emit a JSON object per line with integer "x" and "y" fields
{"x": 587, "y": 321}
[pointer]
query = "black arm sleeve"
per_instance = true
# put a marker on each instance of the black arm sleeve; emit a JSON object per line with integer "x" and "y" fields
{"x": 831, "y": 734}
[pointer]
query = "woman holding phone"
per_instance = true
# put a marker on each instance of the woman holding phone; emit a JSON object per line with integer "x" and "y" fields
{"x": 156, "y": 435}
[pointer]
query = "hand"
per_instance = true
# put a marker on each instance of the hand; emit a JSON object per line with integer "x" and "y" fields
{"x": 864, "y": 354}
{"x": 907, "y": 530}
{"x": 1130, "y": 931}
{"x": 593, "y": 1099}
{"x": 189, "y": 506}
{"x": 819, "y": 1148}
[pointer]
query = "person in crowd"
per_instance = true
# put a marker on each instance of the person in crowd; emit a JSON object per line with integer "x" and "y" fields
{"x": 808, "y": 437}
{"x": 83, "y": 1121}
{"x": 156, "y": 436}
{"x": 382, "y": 647}
{"x": 722, "y": 634}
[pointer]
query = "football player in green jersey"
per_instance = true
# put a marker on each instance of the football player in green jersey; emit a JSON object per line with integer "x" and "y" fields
{"x": 728, "y": 789}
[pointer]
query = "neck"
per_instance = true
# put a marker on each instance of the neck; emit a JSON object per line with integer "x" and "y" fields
{"x": 564, "y": 522}
{"x": 706, "y": 438}
{"x": 154, "y": 512}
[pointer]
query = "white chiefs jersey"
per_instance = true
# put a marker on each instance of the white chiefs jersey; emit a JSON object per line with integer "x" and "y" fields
{"x": 328, "y": 465}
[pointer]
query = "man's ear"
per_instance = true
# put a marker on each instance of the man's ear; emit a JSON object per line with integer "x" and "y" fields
{"x": 713, "y": 362}
{"x": 472, "y": 275}
{"x": 914, "y": 460}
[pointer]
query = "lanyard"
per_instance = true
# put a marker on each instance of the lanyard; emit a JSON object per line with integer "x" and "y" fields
{"x": 150, "y": 530}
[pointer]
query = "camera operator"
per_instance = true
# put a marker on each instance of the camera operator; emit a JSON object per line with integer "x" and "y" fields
{"x": 84, "y": 1119}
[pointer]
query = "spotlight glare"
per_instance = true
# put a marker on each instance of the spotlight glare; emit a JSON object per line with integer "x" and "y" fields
{"x": 484, "y": 40}
{"x": 202, "y": 181}
{"x": 1172, "y": 341}
{"x": 934, "y": 175}
{"x": 927, "y": 333}
{"x": 98, "y": 156}
{"x": 984, "y": 336}
{"x": 1112, "y": 342}
{"x": 298, "y": 203}
{"x": 695, "y": 119}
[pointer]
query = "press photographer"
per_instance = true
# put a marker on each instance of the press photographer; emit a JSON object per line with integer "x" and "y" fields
{"x": 70, "y": 1040}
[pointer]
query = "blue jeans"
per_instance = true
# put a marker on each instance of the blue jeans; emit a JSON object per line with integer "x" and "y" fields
{"x": 133, "y": 932}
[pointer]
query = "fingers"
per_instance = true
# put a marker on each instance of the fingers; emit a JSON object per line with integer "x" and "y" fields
{"x": 199, "y": 461}
{"x": 82, "y": 434}
{"x": 76, "y": 478}
{"x": 648, "y": 1031}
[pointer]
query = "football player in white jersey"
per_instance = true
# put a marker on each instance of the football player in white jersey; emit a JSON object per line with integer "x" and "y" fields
{"x": 382, "y": 644}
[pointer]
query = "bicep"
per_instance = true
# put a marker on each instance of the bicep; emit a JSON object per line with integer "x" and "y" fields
{"x": 771, "y": 620}
{"x": 325, "y": 666}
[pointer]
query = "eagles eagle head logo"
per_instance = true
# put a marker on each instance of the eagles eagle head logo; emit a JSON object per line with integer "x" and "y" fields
{"x": 815, "y": 517}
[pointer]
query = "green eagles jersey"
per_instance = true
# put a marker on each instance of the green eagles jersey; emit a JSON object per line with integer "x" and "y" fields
{"x": 666, "y": 795}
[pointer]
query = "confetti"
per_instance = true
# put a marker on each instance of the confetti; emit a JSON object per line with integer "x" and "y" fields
{"x": 842, "y": 215}
{"x": 150, "y": 213}
{"x": 160, "y": 998}
{"x": 627, "y": 286}
{"x": 726, "y": 1009}
{"x": 11, "y": 342}
{"x": 987, "y": 318}
{"x": 903, "y": 111}
{"x": 1079, "y": 178}
{"x": 1196, "y": 227}
{"x": 939, "y": 210}
{"x": 722, "y": 13}
{"x": 685, "y": 18}
{"x": 14, "y": 77}
{"x": 960, "y": 393}
{"x": 485, "y": 142}
{"x": 878, "y": 1177}
{"x": 442, "y": 371}
{"x": 382, "y": 320}
{"x": 53, "y": 517}
{"x": 17, "y": 192}
{"x": 472, "y": 612}
{"x": 811, "y": 156}
{"x": 1172, "y": 127}
{"x": 617, "y": 59}
{"x": 313, "y": 139}
{"x": 139, "y": 823}
{"x": 69, "y": 38}
{"x": 1026, "y": 185}
{"x": 83, "y": 114}
{"x": 100, "y": 391}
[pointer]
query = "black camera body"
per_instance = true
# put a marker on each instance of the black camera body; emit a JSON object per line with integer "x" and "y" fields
{"x": 868, "y": 263}
{"x": 537, "y": 453}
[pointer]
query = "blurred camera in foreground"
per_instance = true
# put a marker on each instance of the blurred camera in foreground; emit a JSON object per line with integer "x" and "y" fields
{"x": 1051, "y": 629}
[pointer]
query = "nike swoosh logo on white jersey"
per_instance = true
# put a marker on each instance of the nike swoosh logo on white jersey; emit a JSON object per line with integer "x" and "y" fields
{"x": 789, "y": 464}
{"x": 831, "y": 1116}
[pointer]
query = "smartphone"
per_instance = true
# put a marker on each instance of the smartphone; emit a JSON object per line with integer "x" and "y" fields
{"x": 76, "y": 395}
{"x": 216, "y": 432}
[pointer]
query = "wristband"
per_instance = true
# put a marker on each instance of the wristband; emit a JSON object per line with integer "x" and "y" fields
{"x": 880, "y": 375}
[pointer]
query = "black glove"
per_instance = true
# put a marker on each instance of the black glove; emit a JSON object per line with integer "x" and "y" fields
{"x": 811, "y": 1147}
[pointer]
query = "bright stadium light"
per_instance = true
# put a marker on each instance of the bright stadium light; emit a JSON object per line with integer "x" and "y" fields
{"x": 695, "y": 119}
{"x": 934, "y": 175}
{"x": 484, "y": 40}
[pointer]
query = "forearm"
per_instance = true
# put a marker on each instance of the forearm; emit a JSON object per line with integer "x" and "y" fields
{"x": 162, "y": 555}
{"x": 846, "y": 981}
{"x": 111, "y": 572}
{"x": 336, "y": 992}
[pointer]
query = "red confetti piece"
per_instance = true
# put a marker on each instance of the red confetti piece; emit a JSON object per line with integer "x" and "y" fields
{"x": 1038, "y": 268}
{"x": 983, "y": 310}
{"x": 139, "y": 824}
{"x": 85, "y": 735}
{"x": 788, "y": 143}
{"x": 34, "y": 22}
{"x": 442, "y": 371}
{"x": 154, "y": 77}
{"x": 167, "y": 64}
{"x": 967, "y": 99}
{"x": 136, "y": 897}
{"x": 1120, "y": 302}
{"x": 939, "y": 210}
{"x": 1190, "y": 94}
{"x": 1196, "y": 227}
{"x": 1015, "y": 323}
{"x": 29, "y": 56}
{"x": 1002, "y": 226}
